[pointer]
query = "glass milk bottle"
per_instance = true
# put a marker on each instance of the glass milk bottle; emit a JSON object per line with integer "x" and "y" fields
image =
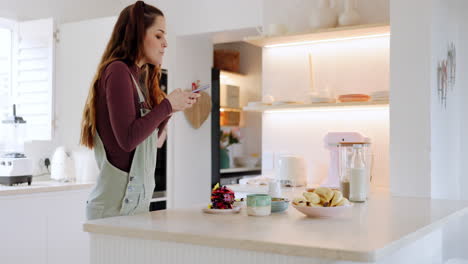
{"x": 358, "y": 175}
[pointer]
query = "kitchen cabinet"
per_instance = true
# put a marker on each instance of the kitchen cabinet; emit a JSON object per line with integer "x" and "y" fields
{"x": 23, "y": 235}
{"x": 44, "y": 228}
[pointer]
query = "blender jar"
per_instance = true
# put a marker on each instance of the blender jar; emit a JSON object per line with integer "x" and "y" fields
{"x": 355, "y": 157}
{"x": 13, "y": 136}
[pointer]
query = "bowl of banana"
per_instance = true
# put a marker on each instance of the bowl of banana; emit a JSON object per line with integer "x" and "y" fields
{"x": 322, "y": 202}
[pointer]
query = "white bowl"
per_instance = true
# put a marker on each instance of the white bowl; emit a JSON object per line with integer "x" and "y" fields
{"x": 246, "y": 161}
{"x": 323, "y": 211}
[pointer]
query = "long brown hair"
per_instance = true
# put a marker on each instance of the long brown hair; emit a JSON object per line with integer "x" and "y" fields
{"x": 125, "y": 44}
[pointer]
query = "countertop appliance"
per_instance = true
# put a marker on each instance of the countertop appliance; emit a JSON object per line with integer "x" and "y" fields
{"x": 292, "y": 170}
{"x": 15, "y": 167}
{"x": 332, "y": 142}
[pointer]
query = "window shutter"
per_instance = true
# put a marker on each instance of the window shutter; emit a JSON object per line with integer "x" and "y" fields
{"x": 5, "y": 66}
{"x": 34, "y": 78}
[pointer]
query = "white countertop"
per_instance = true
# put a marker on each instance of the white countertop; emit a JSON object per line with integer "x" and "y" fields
{"x": 370, "y": 232}
{"x": 41, "y": 186}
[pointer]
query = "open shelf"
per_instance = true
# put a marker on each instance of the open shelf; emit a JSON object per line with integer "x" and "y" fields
{"x": 230, "y": 109}
{"x": 241, "y": 169}
{"x": 287, "y": 107}
{"x": 321, "y": 35}
{"x": 232, "y": 73}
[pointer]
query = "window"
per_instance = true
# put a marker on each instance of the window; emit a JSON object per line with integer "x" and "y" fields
{"x": 5, "y": 68}
{"x": 26, "y": 74}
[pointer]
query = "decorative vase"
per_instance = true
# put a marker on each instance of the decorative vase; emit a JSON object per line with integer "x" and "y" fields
{"x": 350, "y": 16}
{"x": 224, "y": 158}
{"x": 324, "y": 16}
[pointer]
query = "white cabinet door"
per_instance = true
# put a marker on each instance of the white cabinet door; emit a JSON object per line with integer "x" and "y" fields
{"x": 79, "y": 52}
{"x": 66, "y": 240}
{"x": 44, "y": 228}
{"x": 22, "y": 230}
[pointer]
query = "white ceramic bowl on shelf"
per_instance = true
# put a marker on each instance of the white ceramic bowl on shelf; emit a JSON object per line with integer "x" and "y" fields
{"x": 246, "y": 161}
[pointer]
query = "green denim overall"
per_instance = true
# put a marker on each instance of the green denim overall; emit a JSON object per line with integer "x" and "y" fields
{"x": 120, "y": 193}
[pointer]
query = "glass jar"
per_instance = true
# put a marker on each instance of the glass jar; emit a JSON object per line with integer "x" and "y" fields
{"x": 355, "y": 160}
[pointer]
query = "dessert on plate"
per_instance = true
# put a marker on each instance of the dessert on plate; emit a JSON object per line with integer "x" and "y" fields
{"x": 221, "y": 198}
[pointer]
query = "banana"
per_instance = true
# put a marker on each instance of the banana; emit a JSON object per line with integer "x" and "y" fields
{"x": 321, "y": 197}
{"x": 337, "y": 197}
{"x": 343, "y": 202}
{"x": 326, "y": 194}
{"x": 300, "y": 201}
{"x": 311, "y": 197}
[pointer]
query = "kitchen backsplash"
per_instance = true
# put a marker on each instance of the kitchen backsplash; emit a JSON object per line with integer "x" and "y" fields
{"x": 303, "y": 133}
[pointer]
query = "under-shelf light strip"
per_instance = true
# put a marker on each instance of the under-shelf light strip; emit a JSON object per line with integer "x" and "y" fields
{"x": 324, "y": 109}
{"x": 326, "y": 40}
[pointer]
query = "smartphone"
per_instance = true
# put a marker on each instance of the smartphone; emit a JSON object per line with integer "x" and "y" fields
{"x": 203, "y": 87}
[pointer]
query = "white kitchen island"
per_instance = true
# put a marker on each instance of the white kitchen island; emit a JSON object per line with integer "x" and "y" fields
{"x": 383, "y": 230}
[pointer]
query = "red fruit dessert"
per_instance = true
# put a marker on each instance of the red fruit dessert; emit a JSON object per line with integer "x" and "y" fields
{"x": 222, "y": 197}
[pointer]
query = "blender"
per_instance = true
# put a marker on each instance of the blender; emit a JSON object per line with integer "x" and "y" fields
{"x": 332, "y": 141}
{"x": 15, "y": 167}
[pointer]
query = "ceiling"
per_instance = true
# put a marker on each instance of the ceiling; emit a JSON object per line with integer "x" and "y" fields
{"x": 62, "y": 11}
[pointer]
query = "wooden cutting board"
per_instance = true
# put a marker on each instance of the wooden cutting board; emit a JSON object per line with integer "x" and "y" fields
{"x": 199, "y": 112}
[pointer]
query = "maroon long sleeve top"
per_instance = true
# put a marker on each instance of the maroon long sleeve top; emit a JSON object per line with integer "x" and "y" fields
{"x": 118, "y": 119}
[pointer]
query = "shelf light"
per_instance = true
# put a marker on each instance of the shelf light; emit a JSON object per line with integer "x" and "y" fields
{"x": 326, "y": 40}
{"x": 328, "y": 109}
{"x": 227, "y": 109}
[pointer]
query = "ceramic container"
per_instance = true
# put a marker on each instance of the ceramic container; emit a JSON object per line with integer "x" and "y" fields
{"x": 350, "y": 16}
{"x": 324, "y": 16}
{"x": 279, "y": 205}
{"x": 258, "y": 204}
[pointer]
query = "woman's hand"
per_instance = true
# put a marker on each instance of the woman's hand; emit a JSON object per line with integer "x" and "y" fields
{"x": 181, "y": 100}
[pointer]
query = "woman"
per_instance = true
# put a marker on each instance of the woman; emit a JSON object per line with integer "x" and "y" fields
{"x": 126, "y": 111}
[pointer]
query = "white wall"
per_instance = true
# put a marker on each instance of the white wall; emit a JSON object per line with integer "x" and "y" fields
{"x": 202, "y": 16}
{"x": 445, "y": 122}
{"x": 302, "y": 133}
{"x": 428, "y": 150}
{"x": 62, "y": 11}
{"x": 190, "y": 182}
{"x": 410, "y": 101}
{"x": 463, "y": 84}
{"x": 295, "y": 14}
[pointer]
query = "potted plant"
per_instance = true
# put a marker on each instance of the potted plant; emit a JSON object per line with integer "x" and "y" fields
{"x": 227, "y": 139}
